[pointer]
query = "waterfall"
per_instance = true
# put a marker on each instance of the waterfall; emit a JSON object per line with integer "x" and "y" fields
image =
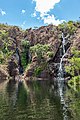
{"x": 61, "y": 79}
{"x": 63, "y": 52}
{"x": 63, "y": 43}
{"x": 19, "y": 61}
{"x": 17, "y": 55}
{"x": 19, "y": 68}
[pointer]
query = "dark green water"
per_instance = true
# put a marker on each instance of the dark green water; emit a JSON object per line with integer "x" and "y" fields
{"x": 37, "y": 101}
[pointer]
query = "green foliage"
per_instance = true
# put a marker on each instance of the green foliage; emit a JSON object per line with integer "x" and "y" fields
{"x": 73, "y": 100}
{"x": 23, "y": 60}
{"x": 68, "y": 27}
{"x": 75, "y": 52}
{"x": 25, "y": 51}
{"x": 5, "y": 52}
{"x": 37, "y": 71}
{"x": 1, "y": 57}
{"x": 74, "y": 67}
{"x": 50, "y": 54}
{"x": 74, "y": 83}
{"x": 40, "y": 50}
{"x": 3, "y": 34}
{"x": 25, "y": 43}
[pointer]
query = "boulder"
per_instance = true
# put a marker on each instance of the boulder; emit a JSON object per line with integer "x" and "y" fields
{"x": 3, "y": 74}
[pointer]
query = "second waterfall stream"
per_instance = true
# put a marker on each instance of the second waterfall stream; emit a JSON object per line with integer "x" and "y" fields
{"x": 61, "y": 79}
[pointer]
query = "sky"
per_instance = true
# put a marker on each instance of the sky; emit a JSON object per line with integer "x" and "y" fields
{"x": 36, "y": 13}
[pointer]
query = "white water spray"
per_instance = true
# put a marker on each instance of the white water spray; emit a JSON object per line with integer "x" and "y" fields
{"x": 61, "y": 79}
{"x": 63, "y": 43}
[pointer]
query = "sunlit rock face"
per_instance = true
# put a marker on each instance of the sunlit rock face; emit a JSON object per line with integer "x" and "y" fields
{"x": 3, "y": 73}
{"x": 45, "y": 35}
{"x": 12, "y": 66}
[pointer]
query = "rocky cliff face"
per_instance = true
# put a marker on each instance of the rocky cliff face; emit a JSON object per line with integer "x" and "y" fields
{"x": 10, "y": 39}
{"x": 40, "y": 47}
{"x": 3, "y": 73}
{"x": 45, "y": 35}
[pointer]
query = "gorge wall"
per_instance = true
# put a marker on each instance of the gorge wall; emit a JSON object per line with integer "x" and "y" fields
{"x": 39, "y": 49}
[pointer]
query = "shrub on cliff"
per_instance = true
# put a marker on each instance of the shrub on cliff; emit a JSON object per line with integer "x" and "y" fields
{"x": 1, "y": 57}
{"x": 74, "y": 67}
{"x": 68, "y": 27}
{"x": 25, "y": 52}
{"x": 40, "y": 51}
{"x": 25, "y": 43}
{"x": 50, "y": 54}
{"x": 38, "y": 71}
{"x": 5, "y": 42}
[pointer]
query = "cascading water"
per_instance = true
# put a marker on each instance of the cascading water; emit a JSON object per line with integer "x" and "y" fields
{"x": 61, "y": 79}
{"x": 19, "y": 61}
{"x": 60, "y": 73}
{"x": 19, "y": 68}
{"x": 63, "y": 43}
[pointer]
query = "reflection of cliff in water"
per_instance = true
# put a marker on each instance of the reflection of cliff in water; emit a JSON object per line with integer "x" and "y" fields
{"x": 39, "y": 101}
{"x": 44, "y": 100}
{"x": 35, "y": 100}
{"x": 72, "y": 98}
{"x": 16, "y": 92}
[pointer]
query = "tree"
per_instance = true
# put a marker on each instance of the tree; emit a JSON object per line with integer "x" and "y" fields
{"x": 74, "y": 67}
{"x": 68, "y": 27}
{"x": 25, "y": 52}
{"x": 5, "y": 52}
{"x": 40, "y": 50}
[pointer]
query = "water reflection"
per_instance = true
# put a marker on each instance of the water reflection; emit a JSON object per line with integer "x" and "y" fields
{"x": 73, "y": 101}
{"x": 61, "y": 92}
{"x": 33, "y": 101}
